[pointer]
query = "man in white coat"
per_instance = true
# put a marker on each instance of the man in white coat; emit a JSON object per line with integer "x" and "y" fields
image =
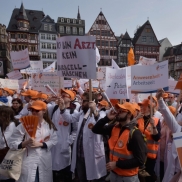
{"x": 66, "y": 132}
{"x": 88, "y": 151}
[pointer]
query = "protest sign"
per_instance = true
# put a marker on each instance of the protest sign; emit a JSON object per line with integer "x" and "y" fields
{"x": 67, "y": 83}
{"x": 172, "y": 85}
{"x": 50, "y": 68}
{"x": 101, "y": 73}
{"x": 146, "y": 61}
{"x": 148, "y": 79}
{"x": 14, "y": 75}
{"x": 23, "y": 84}
{"x": 20, "y": 59}
{"x": 76, "y": 57}
{"x": 39, "y": 80}
{"x": 85, "y": 83}
{"x": 11, "y": 84}
{"x": 35, "y": 67}
{"x": 116, "y": 85}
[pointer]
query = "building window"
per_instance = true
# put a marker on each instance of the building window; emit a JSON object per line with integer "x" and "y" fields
{"x": 32, "y": 37}
{"x": 12, "y": 36}
{"x": 137, "y": 48}
{"x": 43, "y": 46}
{"x": 53, "y": 46}
{"x": 32, "y": 48}
{"x": 50, "y": 27}
{"x": 80, "y": 21}
{"x": 48, "y": 46}
{"x": 68, "y": 30}
{"x": 48, "y": 36}
{"x": 149, "y": 49}
{"x": 98, "y": 42}
{"x": 143, "y": 38}
{"x": 151, "y": 39}
{"x": 74, "y": 21}
{"x": 45, "y": 27}
{"x": 44, "y": 55}
{"x": 13, "y": 47}
{"x": 147, "y": 30}
{"x": 62, "y": 19}
{"x": 49, "y": 56}
{"x": 74, "y": 30}
{"x": 68, "y": 20}
{"x": 61, "y": 29}
{"x": 145, "y": 49}
{"x": 53, "y": 37}
{"x": 54, "y": 56}
{"x": 80, "y": 31}
{"x": 42, "y": 36}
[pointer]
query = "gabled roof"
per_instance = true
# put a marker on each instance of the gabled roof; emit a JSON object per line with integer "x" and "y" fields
{"x": 47, "y": 17}
{"x": 34, "y": 18}
{"x": 126, "y": 36}
{"x": 160, "y": 41}
{"x": 140, "y": 30}
{"x": 174, "y": 50}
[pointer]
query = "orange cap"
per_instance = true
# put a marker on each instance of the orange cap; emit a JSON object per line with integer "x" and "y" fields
{"x": 145, "y": 102}
{"x": 172, "y": 109}
{"x": 39, "y": 105}
{"x": 1, "y": 93}
{"x": 40, "y": 96}
{"x": 114, "y": 102}
{"x": 103, "y": 103}
{"x": 137, "y": 107}
{"x": 165, "y": 95}
{"x": 31, "y": 93}
{"x": 127, "y": 106}
{"x": 9, "y": 91}
{"x": 69, "y": 92}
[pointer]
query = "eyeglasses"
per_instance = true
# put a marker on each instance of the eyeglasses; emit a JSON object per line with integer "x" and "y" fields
{"x": 34, "y": 110}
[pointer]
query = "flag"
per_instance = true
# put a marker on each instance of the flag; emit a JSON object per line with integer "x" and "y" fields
{"x": 50, "y": 68}
{"x": 114, "y": 65}
{"x": 179, "y": 83}
{"x": 131, "y": 57}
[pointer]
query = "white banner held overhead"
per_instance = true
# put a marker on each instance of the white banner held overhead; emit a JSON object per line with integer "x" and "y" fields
{"x": 148, "y": 79}
{"x": 67, "y": 83}
{"x": 172, "y": 85}
{"x": 76, "y": 57}
{"x": 20, "y": 59}
{"x": 11, "y": 84}
{"x": 35, "y": 67}
{"x": 23, "y": 84}
{"x": 116, "y": 84}
{"x": 38, "y": 80}
{"x": 50, "y": 68}
{"x": 147, "y": 61}
{"x": 14, "y": 75}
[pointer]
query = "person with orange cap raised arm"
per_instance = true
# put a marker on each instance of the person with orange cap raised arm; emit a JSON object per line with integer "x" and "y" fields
{"x": 126, "y": 143}
{"x": 3, "y": 99}
{"x": 8, "y": 93}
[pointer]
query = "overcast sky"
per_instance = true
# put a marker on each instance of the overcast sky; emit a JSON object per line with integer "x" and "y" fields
{"x": 164, "y": 15}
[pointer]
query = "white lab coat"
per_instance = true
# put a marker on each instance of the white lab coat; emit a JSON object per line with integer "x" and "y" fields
{"x": 8, "y": 132}
{"x": 24, "y": 111}
{"x": 173, "y": 165}
{"x": 35, "y": 157}
{"x": 93, "y": 147}
{"x": 61, "y": 152}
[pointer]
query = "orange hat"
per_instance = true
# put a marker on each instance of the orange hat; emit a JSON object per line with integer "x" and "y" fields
{"x": 93, "y": 90}
{"x": 114, "y": 102}
{"x": 1, "y": 93}
{"x": 137, "y": 107}
{"x": 127, "y": 106}
{"x": 40, "y": 96}
{"x": 9, "y": 91}
{"x": 172, "y": 109}
{"x": 39, "y": 105}
{"x": 145, "y": 102}
{"x": 103, "y": 103}
{"x": 69, "y": 92}
{"x": 154, "y": 98}
{"x": 31, "y": 93}
{"x": 165, "y": 95}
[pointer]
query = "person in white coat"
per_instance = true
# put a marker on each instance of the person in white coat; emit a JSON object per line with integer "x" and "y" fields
{"x": 88, "y": 150}
{"x": 61, "y": 153}
{"x": 37, "y": 165}
{"x": 6, "y": 130}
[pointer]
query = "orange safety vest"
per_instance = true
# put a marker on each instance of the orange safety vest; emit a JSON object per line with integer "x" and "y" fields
{"x": 152, "y": 146}
{"x": 119, "y": 151}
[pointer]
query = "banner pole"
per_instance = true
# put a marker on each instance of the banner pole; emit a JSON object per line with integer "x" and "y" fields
{"x": 151, "y": 111}
{"x": 90, "y": 93}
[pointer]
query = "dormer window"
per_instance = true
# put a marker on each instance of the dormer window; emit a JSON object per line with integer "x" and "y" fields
{"x": 80, "y": 21}
{"x": 74, "y": 21}
{"x": 62, "y": 19}
{"x": 68, "y": 20}
{"x": 45, "y": 27}
{"x": 20, "y": 24}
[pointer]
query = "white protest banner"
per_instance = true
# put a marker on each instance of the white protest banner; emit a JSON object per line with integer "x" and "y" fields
{"x": 14, "y": 75}
{"x": 85, "y": 82}
{"x": 116, "y": 85}
{"x": 23, "y": 84}
{"x": 11, "y": 84}
{"x": 177, "y": 138}
{"x": 35, "y": 67}
{"x": 50, "y": 68}
{"x": 101, "y": 73}
{"x": 114, "y": 65}
{"x": 20, "y": 59}
{"x": 38, "y": 80}
{"x": 148, "y": 79}
{"x": 76, "y": 57}
{"x": 67, "y": 83}
{"x": 146, "y": 61}
{"x": 172, "y": 85}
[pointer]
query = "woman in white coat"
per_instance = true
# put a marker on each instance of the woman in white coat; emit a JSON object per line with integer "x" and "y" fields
{"x": 37, "y": 164}
{"x": 7, "y": 127}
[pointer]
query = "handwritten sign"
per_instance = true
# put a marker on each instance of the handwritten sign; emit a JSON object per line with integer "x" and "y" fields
{"x": 35, "y": 67}
{"x": 76, "y": 57}
{"x": 14, "y": 75}
{"x": 38, "y": 80}
{"x": 148, "y": 79}
{"x": 20, "y": 59}
{"x": 116, "y": 85}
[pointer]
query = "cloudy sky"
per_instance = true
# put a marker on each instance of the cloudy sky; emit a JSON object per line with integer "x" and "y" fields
{"x": 164, "y": 15}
